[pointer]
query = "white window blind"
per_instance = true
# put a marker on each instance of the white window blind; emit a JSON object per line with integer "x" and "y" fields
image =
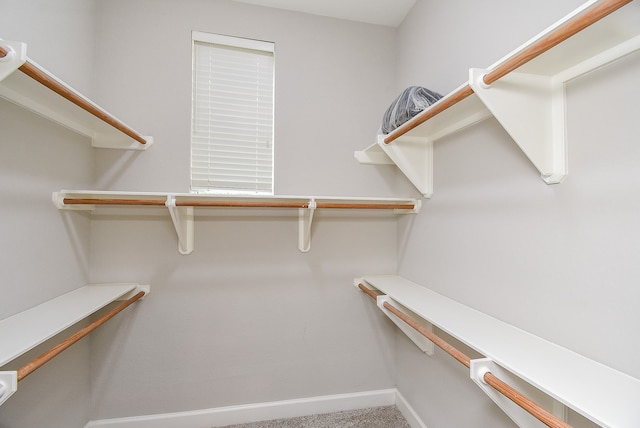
{"x": 232, "y": 115}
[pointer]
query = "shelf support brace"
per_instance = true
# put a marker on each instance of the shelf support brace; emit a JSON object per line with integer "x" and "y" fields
{"x": 540, "y": 100}
{"x": 481, "y": 366}
{"x": 182, "y": 218}
{"x": 305, "y": 220}
{"x": 373, "y": 155}
{"x": 421, "y": 342}
{"x": 414, "y": 157}
{"x": 8, "y": 385}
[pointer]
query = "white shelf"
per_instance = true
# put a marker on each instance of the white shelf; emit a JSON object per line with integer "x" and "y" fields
{"x": 24, "y": 331}
{"x": 181, "y": 207}
{"x": 603, "y": 395}
{"x": 43, "y": 94}
{"x": 529, "y": 102}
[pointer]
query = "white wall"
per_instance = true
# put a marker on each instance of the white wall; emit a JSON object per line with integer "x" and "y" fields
{"x": 333, "y": 80}
{"x": 44, "y": 252}
{"x": 559, "y": 261}
{"x": 246, "y": 318}
{"x": 59, "y": 35}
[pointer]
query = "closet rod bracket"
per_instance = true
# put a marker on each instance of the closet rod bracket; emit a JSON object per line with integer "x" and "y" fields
{"x": 417, "y": 205}
{"x": 139, "y": 287}
{"x": 418, "y": 339}
{"x": 541, "y": 100}
{"x": 414, "y": 157}
{"x": 482, "y": 366}
{"x": 182, "y": 218}
{"x": 8, "y": 385}
{"x": 58, "y": 201}
{"x": 305, "y": 221}
{"x": 14, "y": 54}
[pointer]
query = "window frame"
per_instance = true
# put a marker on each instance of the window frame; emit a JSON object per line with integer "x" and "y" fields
{"x": 232, "y": 42}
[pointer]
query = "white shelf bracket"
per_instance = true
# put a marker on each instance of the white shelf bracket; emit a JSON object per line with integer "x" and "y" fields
{"x": 479, "y": 367}
{"x": 104, "y": 141}
{"x": 414, "y": 157}
{"x": 421, "y": 342}
{"x": 417, "y": 205}
{"x": 305, "y": 221}
{"x": 16, "y": 56}
{"x": 531, "y": 109}
{"x": 182, "y": 218}
{"x": 8, "y": 385}
{"x": 139, "y": 288}
{"x": 372, "y": 155}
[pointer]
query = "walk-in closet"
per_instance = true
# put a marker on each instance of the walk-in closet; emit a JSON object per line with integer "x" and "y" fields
{"x": 222, "y": 212}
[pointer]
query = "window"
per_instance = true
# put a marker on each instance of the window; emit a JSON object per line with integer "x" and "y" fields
{"x": 232, "y": 115}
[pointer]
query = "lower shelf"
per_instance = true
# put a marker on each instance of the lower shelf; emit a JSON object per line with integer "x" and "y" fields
{"x": 26, "y": 330}
{"x": 603, "y": 395}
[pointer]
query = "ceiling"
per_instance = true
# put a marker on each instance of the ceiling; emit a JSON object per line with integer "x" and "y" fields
{"x": 381, "y": 12}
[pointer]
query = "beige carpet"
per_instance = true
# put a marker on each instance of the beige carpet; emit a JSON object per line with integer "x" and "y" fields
{"x": 375, "y": 417}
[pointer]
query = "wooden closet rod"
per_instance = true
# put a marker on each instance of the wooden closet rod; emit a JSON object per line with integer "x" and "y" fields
{"x": 560, "y": 34}
{"x": 38, "y": 362}
{"x": 534, "y": 409}
{"x": 247, "y": 204}
{"x": 554, "y": 38}
{"x": 43, "y": 78}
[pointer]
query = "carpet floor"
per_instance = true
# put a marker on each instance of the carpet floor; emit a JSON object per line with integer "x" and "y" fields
{"x": 374, "y": 417}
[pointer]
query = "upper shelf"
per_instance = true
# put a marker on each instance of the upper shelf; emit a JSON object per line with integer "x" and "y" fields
{"x": 524, "y": 91}
{"x": 606, "y": 396}
{"x": 181, "y": 207}
{"x": 29, "y": 85}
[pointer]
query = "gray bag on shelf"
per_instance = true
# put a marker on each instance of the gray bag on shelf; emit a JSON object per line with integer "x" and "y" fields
{"x": 411, "y": 101}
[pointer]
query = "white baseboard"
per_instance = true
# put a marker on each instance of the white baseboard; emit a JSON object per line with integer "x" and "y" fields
{"x": 265, "y": 411}
{"x": 407, "y": 411}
